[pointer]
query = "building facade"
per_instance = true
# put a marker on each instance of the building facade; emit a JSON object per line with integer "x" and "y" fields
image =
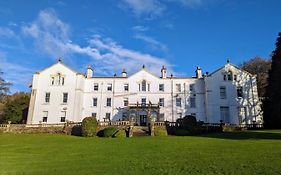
{"x": 227, "y": 95}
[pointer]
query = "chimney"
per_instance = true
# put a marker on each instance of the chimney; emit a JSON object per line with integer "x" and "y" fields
{"x": 198, "y": 72}
{"x": 164, "y": 72}
{"x": 124, "y": 73}
{"x": 89, "y": 72}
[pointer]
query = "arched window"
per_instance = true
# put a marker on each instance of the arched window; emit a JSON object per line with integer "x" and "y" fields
{"x": 229, "y": 76}
{"x": 57, "y": 79}
{"x": 143, "y": 85}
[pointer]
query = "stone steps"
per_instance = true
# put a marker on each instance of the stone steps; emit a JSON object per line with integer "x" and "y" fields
{"x": 140, "y": 131}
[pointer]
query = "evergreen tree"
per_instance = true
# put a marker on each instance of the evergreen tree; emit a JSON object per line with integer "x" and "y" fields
{"x": 272, "y": 102}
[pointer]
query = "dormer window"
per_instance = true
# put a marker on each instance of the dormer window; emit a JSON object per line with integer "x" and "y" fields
{"x": 57, "y": 79}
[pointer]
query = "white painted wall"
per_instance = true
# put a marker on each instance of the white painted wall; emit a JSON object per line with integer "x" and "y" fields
{"x": 81, "y": 92}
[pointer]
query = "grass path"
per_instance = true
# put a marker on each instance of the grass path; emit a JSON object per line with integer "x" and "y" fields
{"x": 228, "y": 153}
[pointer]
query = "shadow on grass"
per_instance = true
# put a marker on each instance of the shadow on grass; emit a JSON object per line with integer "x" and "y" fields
{"x": 255, "y": 135}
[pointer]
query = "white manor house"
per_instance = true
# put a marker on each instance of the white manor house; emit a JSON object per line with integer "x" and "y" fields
{"x": 227, "y": 95}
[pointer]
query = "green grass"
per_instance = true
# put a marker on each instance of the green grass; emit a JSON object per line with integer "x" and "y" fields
{"x": 252, "y": 152}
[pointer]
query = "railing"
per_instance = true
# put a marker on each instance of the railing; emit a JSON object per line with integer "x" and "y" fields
{"x": 159, "y": 124}
{"x": 4, "y": 125}
{"x": 115, "y": 123}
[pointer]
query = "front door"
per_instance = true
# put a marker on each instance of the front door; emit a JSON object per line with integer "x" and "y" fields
{"x": 143, "y": 120}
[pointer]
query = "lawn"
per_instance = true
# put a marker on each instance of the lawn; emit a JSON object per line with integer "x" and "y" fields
{"x": 252, "y": 152}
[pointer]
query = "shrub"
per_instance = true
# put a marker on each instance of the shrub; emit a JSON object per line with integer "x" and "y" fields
{"x": 121, "y": 133}
{"x": 160, "y": 132}
{"x": 89, "y": 127}
{"x": 109, "y": 132}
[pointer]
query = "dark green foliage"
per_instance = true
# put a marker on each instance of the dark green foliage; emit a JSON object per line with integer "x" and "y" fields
{"x": 272, "y": 102}
{"x": 120, "y": 134}
{"x": 109, "y": 132}
{"x": 89, "y": 127}
{"x": 76, "y": 130}
{"x": 188, "y": 126}
{"x": 16, "y": 108}
{"x": 160, "y": 132}
{"x": 181, "y": 132}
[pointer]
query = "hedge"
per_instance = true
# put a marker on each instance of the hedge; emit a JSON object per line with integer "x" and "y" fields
{"x": 89, "y": 127}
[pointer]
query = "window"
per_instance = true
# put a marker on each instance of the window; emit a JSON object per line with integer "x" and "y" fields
{"x": 95, "y": 102}
{"x": 96, "y": 87}
{"x": 45, "y": 116}
{"x": 53, "y": 80}
{"x": 161, "y": 102}
{"x": 229, "y": 76}
{"x": 107, "y": 117}
{"x": 193, "y": 102}
{"x": 239, "y": 92}
{"x": 47, "y": 97}
{"x": 63, "y": 116}
{"x": 143, "y": 101}
{"x": 224, "y": 77}
{"x": 65, "y": 97}
{"x": 126, "y": 101}
{"x": 108, "y": 102}
{"x": 109, "y": 87}
{"x": 235, "y": 77}
{"x": 178, "y": 102}
{"x": 223, "y": 92}
{"x": 126, "y": 87}
{"x": 161, "y": 87}
{"x": 180, "y": 115}
{"x": 143, "y": 85}
{"x": 94, "y": 114}
{"x": 224, "y": 111}
{"x": 191, "y": 87}
{"x": 57, "y": 79}
{"x": 161, "y": 117}
{"x": 178, "y": 87}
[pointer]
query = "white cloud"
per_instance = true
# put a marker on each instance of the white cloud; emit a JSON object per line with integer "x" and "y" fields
{"x": 140, "y": 28}
{"x": 188, "y": 3}
{"x": 15, "y": 73}
{"x": 151, "y": 8}
{"x": 154, "y": 44}
{"x": 52, "y": 36}
{"x": 6, "y": 32}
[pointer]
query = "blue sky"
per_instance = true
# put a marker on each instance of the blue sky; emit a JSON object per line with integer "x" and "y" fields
{"x": 116, "y": 34}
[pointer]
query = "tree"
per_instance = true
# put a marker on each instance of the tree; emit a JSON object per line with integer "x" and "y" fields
{"x": 4, "y": 88}
{"x": 272, "y": 101}
{"x": 16, "y": 108}
{"x": 259, "y": 67}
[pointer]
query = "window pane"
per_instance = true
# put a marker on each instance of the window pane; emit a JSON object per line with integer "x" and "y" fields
{"x": 108, "y": 102}
{"x": 161, "y": 87}
{"x": 95, "y": 102}
{"x": 193, "y": 102}
{"x": 47, "y": 97}
{"x": 223, "y": 92}
{"x": 178, "y": 102}
{"x": 65, "y": 97}
{"x": 96, "y": 87}
{"x": 161, "y": 102}
{"x": 240, "y": 92}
